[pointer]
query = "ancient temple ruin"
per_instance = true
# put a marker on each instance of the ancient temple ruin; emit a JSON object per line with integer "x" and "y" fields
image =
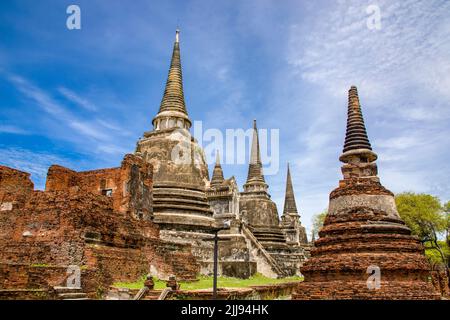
{"x": 98, "y": 222}
{"x": 189, "y": 208}
{"x": 365, "y": 250}
{"x": 156, "y": 214}
{"x": 158, "y": 211}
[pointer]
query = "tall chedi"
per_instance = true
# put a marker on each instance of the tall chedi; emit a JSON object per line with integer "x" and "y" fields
{"x": 364, "y": 250}
{"x": 261, "y": 215}
{"x": 257, "y": 209}
{"x": 290, "y": 220}
{"x": 180, "y": 171}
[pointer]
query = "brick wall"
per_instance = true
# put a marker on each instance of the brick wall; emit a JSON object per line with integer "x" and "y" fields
{"x": 129, "y": 186}
{"x": 112, "y": 238}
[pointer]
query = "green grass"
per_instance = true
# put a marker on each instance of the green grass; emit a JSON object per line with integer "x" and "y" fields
{"x": 40, "y": 265}
{"x": 206, "y": 282}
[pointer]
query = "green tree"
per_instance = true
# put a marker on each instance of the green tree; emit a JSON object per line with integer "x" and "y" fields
{"x": 426, "y": 217}
{"x": 447, "y": 235}
{"x": 318, "y": 220}
{"x": 447, "y": 214}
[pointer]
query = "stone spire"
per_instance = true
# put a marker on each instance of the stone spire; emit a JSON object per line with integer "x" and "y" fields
{"x": 290, "y": 220}
{"x": 172, "y": 111}
{"x": 290, "y": 206}
{"x": 217, "y": 177}
{"x": 255, "y": 168}
{"x": 357, "y": 143}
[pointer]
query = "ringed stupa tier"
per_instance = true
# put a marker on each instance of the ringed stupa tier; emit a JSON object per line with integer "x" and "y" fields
{"x": 364, "y": 250}
{"x": 180, "y": 177}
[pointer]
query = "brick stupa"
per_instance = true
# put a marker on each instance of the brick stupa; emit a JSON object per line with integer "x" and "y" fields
{"x": 362, "y": 231}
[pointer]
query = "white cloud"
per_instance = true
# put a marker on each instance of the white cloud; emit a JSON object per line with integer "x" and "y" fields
{"x": 400, "y": 143}
{"x": 402, "y": 72}
{"x": 87, "y": 129}
{"x": 75, "y": 98}
{"x": 12, "y": 130}
{"x": 35, "y": 163}
{"x": 43, "y": 100}
{"x": 410, "y": 49}
{"x": 88, "y": 134}
{"x": 113, "y": 149}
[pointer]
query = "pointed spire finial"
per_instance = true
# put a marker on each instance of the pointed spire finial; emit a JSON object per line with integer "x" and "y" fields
{"x": 290, "y": 206}
{"x": 217, "y": 177}
{"x": 255, "y": 167}
{"x": 177, "y": 35}
{"x": 217, "y": 157}
{"x": 356, "y": 139}
{"x": 173, "y": 107}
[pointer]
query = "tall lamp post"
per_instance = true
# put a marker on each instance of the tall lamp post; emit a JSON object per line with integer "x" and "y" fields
{"x": 225, "y": 226}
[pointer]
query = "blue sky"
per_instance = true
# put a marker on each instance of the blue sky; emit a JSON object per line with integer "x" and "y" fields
{"x": 82, "y": 98}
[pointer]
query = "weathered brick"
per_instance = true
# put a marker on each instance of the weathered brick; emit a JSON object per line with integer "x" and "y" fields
{"x": 111, "y": 237}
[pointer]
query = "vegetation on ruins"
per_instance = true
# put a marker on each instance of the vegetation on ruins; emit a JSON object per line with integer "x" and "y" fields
{"x": 205, "y": 282}
{"x": 429, "y": 220}
{"x": 447, "y": 232}
{"x": 317, "y": 221}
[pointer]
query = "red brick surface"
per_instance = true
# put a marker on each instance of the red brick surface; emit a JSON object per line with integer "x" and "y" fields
{"x": 72, "y": 223}
{"x": 360, "y": 237}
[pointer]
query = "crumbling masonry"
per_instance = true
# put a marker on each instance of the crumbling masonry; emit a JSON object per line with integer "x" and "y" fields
{"x": 154, "y": 214}
{"x": 158, "y": 211}
{"x": 96, "y": 220}
{"x": 363, "y": 234}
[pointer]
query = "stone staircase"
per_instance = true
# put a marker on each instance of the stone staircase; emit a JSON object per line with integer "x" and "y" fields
{"x": 152, "y": 295}
{"x": 144, "y": 294}
{"x": 266, "y": 264}
{"x": 157, "y": 294}
{"x": 68, "y": 293}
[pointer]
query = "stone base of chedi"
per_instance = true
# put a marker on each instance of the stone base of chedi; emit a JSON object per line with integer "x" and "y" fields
{"x": 365, "y": 251}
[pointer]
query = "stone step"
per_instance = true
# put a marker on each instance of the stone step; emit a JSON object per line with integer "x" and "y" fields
{"x": 152, "y": 296}
{"x": 72, "y": 295}
{"x": 78, "y": 299}
{"x": 67, "y": 289}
